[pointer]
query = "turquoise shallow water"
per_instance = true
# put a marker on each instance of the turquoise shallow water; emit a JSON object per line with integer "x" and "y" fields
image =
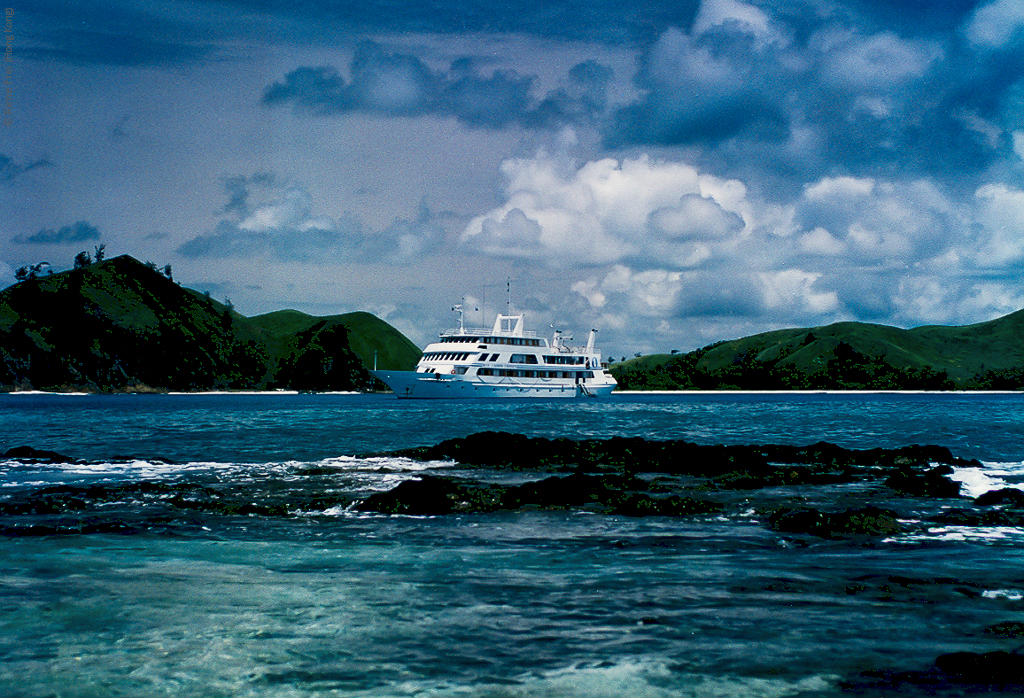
{"x": 217, "y": 602}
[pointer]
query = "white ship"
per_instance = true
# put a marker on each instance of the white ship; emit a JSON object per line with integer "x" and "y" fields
{"x": 505, "y": 361}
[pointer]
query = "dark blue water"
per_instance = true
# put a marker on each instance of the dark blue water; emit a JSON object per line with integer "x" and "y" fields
{"x": 195, "y": 600}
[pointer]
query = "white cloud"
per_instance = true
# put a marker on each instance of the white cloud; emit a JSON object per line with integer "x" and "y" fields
{"x": 290, "y": 210}
{"x": 831, "y": 188}
{"x": 941, "y": 300}
{"x": 792, "y": 292}
{"x": 820, "y": 242}
{"x": 897, "y": 222}
{"x": 267, "y": 218}
{"x": 1000, "y": 213}
{"x": 607, "y": 211}
{"x": 993, "y": 25}
{"x": 650, "y": 293}
{"x": 878, "y": 61}
{"x": 717, "y": 13}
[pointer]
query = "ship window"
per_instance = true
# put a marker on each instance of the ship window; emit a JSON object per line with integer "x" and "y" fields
{"x": 523, "y": 359}
{"x": 563, "y": 359}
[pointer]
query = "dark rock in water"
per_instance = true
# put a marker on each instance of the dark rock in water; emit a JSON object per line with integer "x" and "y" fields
{"x": 867, "y": 521}
{"x": 931, "y": 483}
{"x": 960, "y": 672}
{"x": 989, "y": 669}
{"x": 571, "y": 491}
{"x": 607, "y": 493}
{"x": 35, "y": 455}
{"x": 1008, "y": 629}
{"x": 736, "y": 466}
{"x": 1007, "y": 496}
{"x": 431, "y": 496}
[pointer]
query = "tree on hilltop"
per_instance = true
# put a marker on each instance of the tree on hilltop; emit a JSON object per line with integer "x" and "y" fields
{"x": 29, "y": 272}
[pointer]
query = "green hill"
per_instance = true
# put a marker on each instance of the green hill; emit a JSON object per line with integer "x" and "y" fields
{"x": 121, "y": 325}
{"x": 846, "y": 355}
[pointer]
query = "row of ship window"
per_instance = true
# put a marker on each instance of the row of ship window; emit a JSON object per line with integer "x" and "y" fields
{"x": 569, "y": 360}
{"x": 514, "y": 341}
{"x": 522, "y": 373}
{"x": 447, "y": 355}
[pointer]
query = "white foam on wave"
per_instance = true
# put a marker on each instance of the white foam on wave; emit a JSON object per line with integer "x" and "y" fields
{"x": 381, "y": 464}
{"x": 634, "y": 678}
{"x": 967, "y": 533}
{"x": 991, "y": 476}
{"x": 1008, "y": 594}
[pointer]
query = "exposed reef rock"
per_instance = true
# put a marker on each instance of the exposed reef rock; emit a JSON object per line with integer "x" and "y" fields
{"x": 920, "y": 471}
{"x": 1007, "y": 497}
{"x": 933, "y": 482}
{"x": 635, "y": 454}
{"x": 613, "y": 494}
{"x": 868, "y": 521}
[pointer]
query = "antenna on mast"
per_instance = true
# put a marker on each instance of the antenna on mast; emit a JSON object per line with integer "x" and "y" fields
{"x": 508, "y": 295}
{"x": 459, "y": 309}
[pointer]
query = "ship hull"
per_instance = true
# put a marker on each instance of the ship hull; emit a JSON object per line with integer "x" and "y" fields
{"x": 429, "y": 386}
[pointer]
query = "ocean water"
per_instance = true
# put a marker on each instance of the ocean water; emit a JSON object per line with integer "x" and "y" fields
{"x": 205, "y": 545}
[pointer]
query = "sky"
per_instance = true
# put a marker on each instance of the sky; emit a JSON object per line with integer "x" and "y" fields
{"x": 670, "y": 172}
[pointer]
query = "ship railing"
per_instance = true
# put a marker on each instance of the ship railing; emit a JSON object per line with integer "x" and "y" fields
{"x": 484, "y": 332}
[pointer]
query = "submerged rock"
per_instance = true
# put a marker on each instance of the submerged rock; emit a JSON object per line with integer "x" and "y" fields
{"x": 967, "y": 517}
{"x": 1008, "y": 629}
{"x": 35, "y": 455}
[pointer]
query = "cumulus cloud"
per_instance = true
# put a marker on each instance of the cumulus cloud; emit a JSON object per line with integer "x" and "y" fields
{"x": 1000, "y": 213}
{"x": 396, "y": 84}
{"x": 268, "y": 217}
{"x": 77, "y": 232}
{"x": 995, "y": 23}
{"x": 872, "y": 221}
{"x": 664, "y": 240}
{"x": 609, "y": 211}
{"x": 789, "y": 100}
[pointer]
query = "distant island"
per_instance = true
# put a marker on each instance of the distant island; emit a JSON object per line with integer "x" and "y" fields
{"x": 124, "y": 326}
{"x": 844, "y": 356}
